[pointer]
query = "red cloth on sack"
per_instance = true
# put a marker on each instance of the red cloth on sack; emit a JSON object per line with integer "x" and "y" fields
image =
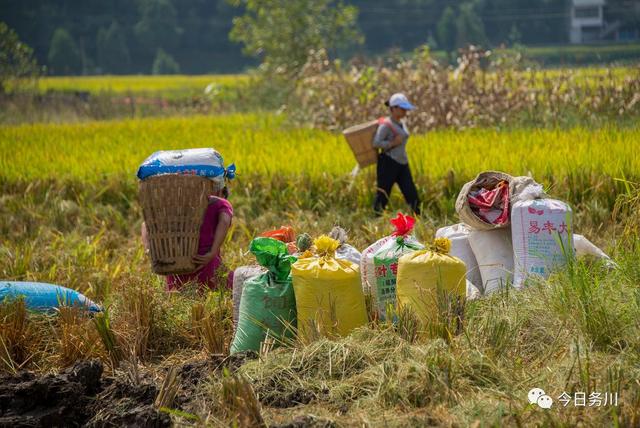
{"x": 285, "y": 234}
{"x": 491, "y": 205}
{"x": 212, "y": 274}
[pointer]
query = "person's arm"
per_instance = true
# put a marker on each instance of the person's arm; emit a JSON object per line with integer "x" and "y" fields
{"x": 385, "y": 138}
{"x": 224, "y": 222}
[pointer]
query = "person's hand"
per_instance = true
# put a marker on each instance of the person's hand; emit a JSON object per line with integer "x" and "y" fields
{"x": 202, "y": 260}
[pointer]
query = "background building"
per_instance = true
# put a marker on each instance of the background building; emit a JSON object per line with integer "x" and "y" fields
{"x": 599, "y": 20}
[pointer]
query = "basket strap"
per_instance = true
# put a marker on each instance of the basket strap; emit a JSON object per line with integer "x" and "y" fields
{"x": 386, "y": 121}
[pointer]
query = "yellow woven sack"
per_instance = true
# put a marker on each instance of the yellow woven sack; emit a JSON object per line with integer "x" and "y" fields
{"x": 329, "y": 297}
{"x": 425, "y": 273}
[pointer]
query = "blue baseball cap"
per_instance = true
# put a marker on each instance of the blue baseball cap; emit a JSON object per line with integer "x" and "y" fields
{"x": 400, "y": 100}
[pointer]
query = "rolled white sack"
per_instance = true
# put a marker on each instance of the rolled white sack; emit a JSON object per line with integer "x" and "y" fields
{"x": 458, "y": 234}
{"x": 494, "y": 253}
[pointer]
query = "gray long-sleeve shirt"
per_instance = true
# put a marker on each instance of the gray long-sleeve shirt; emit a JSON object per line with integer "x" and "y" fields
{"x": 384, "y": 137}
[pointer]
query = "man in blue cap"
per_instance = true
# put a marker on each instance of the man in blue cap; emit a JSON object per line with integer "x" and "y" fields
{"x": 393, "y": 164}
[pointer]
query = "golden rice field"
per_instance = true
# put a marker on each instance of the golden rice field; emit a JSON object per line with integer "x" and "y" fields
{"x": 265, "y": 145}
{"x": 133, "y": 84}
{"x": 138, "y": 84}
{"x": 69, "y": 215}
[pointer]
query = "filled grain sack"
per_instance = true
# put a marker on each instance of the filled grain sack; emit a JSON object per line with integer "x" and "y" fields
{"x": 367, "y": 269}
{"x": 431, "y": 282}
{"x": 385, "y": 263}
{"x": 329, "y": 297}
{"x": 458, "y": 234}
{"x": 240, "y": 276}
{"x": 44, "y": 297}
{"x": 267, "y": 306}
{"x": 204, "y": 162}
{"x": 542, "y": 237}
{"x": 493, "y": 250}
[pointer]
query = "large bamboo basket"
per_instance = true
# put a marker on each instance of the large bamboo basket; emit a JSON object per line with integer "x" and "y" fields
{"x": 173, "y": 208}
{"x": 360, "y": 139}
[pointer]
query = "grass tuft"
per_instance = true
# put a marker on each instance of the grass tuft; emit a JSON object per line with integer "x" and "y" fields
{"x": 16, "y": 333}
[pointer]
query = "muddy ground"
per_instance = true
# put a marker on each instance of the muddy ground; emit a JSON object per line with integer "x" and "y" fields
{"x": 82, "y": 396}
{"x": 79, "y": 396}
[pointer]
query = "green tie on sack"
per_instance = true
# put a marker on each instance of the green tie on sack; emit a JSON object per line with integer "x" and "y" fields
{"x": 268, "y": 305}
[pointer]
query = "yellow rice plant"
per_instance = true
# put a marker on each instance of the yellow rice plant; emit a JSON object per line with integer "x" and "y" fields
{"x": 211, "y": 323}
{"x": 16, "y": 334}
{"x": 76, "y": 338}
{"x": 138, "y": 84}
{"x": 102, "y": 152}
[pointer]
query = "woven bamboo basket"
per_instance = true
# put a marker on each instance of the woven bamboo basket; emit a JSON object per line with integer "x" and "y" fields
{"x": 360, "y": 139}
{"x": 173, "y": 207}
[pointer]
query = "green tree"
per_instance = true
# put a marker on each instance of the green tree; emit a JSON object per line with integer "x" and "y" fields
{"x": 112, "y": 50}
{"x": 446, "y": 30}
{"x": 164, "y": 64}
{"x": 158, "y": 26}
{"x": 282, "y": 32}
{"x": 64, "y": 56}
{"x": 16, "y": 59}
{"x": 469, "y": 27}
{"x": 515, "y": 36}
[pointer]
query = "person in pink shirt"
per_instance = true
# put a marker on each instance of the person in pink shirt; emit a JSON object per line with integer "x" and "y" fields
{"x": 211, "y": 272}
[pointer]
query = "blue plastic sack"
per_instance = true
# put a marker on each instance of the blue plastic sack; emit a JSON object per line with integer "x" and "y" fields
{"x": 41, "y": 296}
{"x": 202, "y": 162}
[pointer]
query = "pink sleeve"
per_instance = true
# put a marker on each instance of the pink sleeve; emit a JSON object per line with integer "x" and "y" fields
{"x": 224, "y": 206}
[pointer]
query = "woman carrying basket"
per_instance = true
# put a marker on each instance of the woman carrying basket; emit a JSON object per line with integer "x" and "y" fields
{"x": 393, "y": 163}
{"x": 211, "y": 272}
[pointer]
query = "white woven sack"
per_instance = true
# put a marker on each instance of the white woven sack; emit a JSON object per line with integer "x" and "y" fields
{"x": 542, "y": 235}
{"x": 458, "y": 234}
{"x": 494, "y": 252}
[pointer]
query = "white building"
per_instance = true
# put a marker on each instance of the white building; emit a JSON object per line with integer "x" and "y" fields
{"x": 587, "y": 21}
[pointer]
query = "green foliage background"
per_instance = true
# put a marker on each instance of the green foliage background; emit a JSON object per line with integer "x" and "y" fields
{"x": 121, "y": 37}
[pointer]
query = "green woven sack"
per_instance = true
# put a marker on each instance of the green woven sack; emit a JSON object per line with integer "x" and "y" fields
{"x": 268, "y": 305}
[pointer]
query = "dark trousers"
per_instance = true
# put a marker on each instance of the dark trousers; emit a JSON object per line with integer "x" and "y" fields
{"x": 390, "y": 172}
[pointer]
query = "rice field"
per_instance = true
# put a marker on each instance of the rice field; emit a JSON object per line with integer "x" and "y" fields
{"x": 138, "y": 85}
{"x": 69, "y": 214}
{"x": 258, "y": 144}
{"x": 196, "y": 84}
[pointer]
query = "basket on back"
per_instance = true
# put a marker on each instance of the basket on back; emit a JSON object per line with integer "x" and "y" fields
{"x": 360, "y": 139}
{"x": 173, "y": 206}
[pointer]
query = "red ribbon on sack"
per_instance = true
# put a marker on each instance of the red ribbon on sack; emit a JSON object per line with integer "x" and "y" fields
{"x": 403, "y": 224}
